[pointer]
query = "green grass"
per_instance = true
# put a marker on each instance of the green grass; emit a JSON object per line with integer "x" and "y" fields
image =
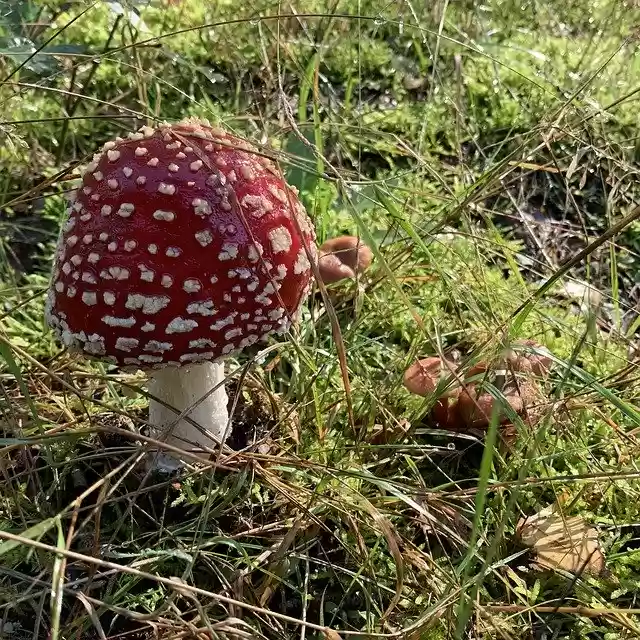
{"x": 476, "y": 148}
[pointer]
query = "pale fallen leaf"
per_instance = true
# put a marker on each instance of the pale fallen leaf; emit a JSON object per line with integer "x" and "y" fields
{"x": 566, "y": 543}
{"x": 330, "y": 634}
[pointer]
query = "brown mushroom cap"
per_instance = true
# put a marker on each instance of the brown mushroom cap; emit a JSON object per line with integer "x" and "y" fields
{"x": 475, "y": 408}
{"x": 535, "y": 363}
{"x": 423, "y": 377}
{"x": 343, "y": 257}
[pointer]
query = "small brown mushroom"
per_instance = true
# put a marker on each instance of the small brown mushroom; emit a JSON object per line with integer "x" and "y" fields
{"x": 536, "y": 363}
{"x": 423, "y": 378}
{"x": 343, "y": 257}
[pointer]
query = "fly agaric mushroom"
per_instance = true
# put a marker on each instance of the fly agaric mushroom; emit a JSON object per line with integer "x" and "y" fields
{"x": 423, "y": 378}
{"x": 343, "y": 257}
{"x": 182, "y": 246}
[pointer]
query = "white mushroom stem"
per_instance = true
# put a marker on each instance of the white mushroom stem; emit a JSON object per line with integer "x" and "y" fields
{"x": 188, "y": 390}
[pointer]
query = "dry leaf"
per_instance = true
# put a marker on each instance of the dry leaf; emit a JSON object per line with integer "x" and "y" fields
{"x": 563, "y": 543}
{"x": 330, "y": 634}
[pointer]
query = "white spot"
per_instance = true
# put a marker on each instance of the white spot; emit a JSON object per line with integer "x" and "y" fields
{"x": 266, "y": 328}
{"x": 191, "y": 285}
{"x": 201, "y": 207}
{"x": 112, "y": 321}
{"x": 135, "y": 136}
{"x": 241, "y": 300}
{"x": 236, "y": 288}
{"x": 166, "y": 189}
{"x": 248, "y": 341}
{"x": 77, "y": 206}
{"x": 147, "y": 326}
{"x": 223, "y": 322}
{"x": 72, "y": 240}
{"x": 276, "y": 314}
{"x": 197, "y": 357}
{"x": 112, "y": 183}
{"x": 141, "y": 151}
{"x": 94, "y": 345}
{"x": 59, "y": 286}
{"x": 282, "y": 272}
{"x": 152, "y": 249}
{"x": 269, "y": 288}
{"x": 130, "y": 245}
{"x": 255, "y": 251}
{"x": 263, "y": 300}
{"x": 106, "y": 210}
{"x": 233, "y": 333}
{"x": 280, "y": 239}
{"x": 150, "y": 359}
{"x": 98, "y": 175}
{"x": 146, "y": 274}
{"x": 103, "y": 236}
{"x": 247, "y": 172}
{"x": 302, "y": 263}
{"x": 253, "y": 285}
{"x": 125, "y": 210}
{"x": 231, "y": 176}
{"x": 126, "y": 344}
{"x": 180, "y": 325}
{"x": 66, "y": 268}
{"x": 204, "y": 237}
{"x": 260, "y": 205}
{"x": 195, "y": 165}
{"x": 229, "y": 251}
{"x": 112, "y": 246}
{"x": 278, "y": 194}
{"x": 141, "y": 180}
{"x": 158, "y": 347}
{"x": 227, "y": 298}
{"x": 180, "y": 155}
{"x": 213, "y": 279}
{"x": 173, "y": 167}
{"x": 167, "y": 216}
{"x": 90, "y": 298}
{"x": 108, "y": 145}
{"x": 228, "y": 348}
{"x": 174, "y": 145}
{"x": 188, "y": 149}
{"x": 153, "y": 162}
{"x": 252, "y": 327}
{"x": 147, "y": 131}
{"x": 204, "y": 308}
{"x": 85, "y": 217}
{"x": 148, "y": 304}
{"x": 89, "y": 277}
{"x": 128, "y": 171}
{"x": 109, "y": 297}
{"x": 209, "y": 147}
{"x": 76, "y": 260}
{"x": 173, "y": 252}
{"x": 166, "y": 280}
{"x": 95, "y": 197}
{"x": 87, "y": 190}
{"x": 119, "y": 273}
{"x": 113, "y": 155}
{"x": 221, "y": 162}
{"x": 202, "y": 343}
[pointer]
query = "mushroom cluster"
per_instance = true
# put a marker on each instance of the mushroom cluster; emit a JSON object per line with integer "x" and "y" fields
{"x": 182, "y": 245}
{"x": 463, "y": 405}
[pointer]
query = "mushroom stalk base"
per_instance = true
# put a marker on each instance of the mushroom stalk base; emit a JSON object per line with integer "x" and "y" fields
{"x": 181, "y": 388}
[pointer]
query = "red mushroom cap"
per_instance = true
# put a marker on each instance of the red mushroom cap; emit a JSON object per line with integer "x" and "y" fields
{"x": 182, "y": 245}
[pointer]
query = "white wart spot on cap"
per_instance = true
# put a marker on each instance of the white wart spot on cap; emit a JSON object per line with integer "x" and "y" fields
{"x": 126, "y": 344}
{"x": 147, "y": 326}
{"x": 167, "y": 216}
{"x": 166, "y": 189}
{"x": 141, "y": 180}
{"x": 201, "y": 207}
{"x": 113, "y": 155}
{"x": 98, "y": 175}
{"x": 156, "y": 346}
{"x": 173, "y": 167}
{"x": 280, "y": 239}
{"x": 125, "y": 209}
{"x": 202, "y": 308}
{"x": 119, "y": 273}
{"x": 93, "y": 257}
{"x": 302, "y": 264}
{"x": 128, "y": 171}
{"x": 224, "y": 322}
{"x": 277, "y": 193}
{"x": 204, "y": 237}
{"x": 152, "y": 249}
{"x": 130, "y": 245}
{"x": 181, "y": 325}
{"x": 166, "y": 280}
{"x": 229, "y": 251}
{"x": 72, "y": 241}
{"x": 103, "y": 236}
{"x": 148, "y": 304}
{"x": 89, "y": 277}
{"x": 192, "y": 285}
{"x": 196, "y": 165}
{"x": 153, "y": 162}
{"x": 146, "y": 274}
{"x": 141, "y": 151}
{"x": 202, "y": 343}
{"x": 113, "y": 321}
{"x": 112, "y": 183}
{"x": 109, "y": 298}
{"x": 172, "y": 252}
{"x": 259, "y": 205}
